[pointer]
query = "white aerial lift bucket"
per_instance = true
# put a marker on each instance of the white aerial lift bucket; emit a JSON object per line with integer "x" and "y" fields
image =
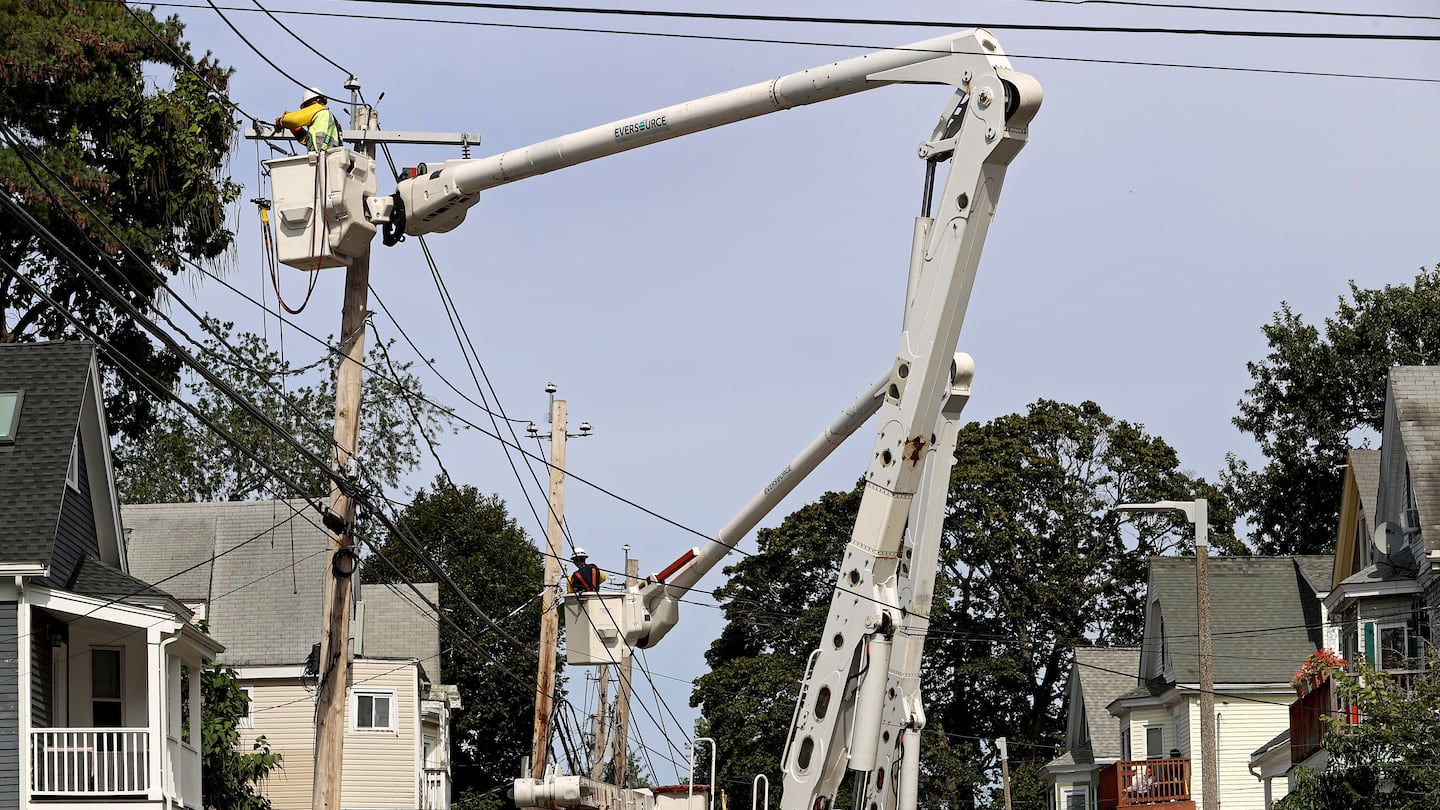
{"x": 320, "y": 207}
{"x": 601, "y": 627}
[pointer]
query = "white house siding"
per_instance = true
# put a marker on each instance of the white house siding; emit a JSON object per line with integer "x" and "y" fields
{"x": 1145, "y": 717}
{"x": 1187, "y": 730}
{"x": 382, "y": 769}
{"x": 1245, "y": 721}
{"x": 284, "y": 712}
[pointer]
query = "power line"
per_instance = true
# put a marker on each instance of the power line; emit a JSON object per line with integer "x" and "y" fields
{"x": 1242, "y": 9}
{"x": 891, "y": 22}
{"x": 812, "y": 43}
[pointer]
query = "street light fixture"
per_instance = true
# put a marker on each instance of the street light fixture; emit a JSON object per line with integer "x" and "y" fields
{"x": 1197, "y": 512}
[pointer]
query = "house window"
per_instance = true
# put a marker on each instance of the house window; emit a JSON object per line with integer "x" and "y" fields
{"x": 72, "y": 473}
{"x": 373, "y": 711}
{"x": 1074, "y": 797}
{"x": 1125, "y": 744}
{"x": 1154, "y": 742}
{"x": 1410, "y": 516}
{"x": 247, "y": 720}
{"x": 1394, "y": 647}
{"x": 9, "y": 415}
{"x": 106, "y": 688}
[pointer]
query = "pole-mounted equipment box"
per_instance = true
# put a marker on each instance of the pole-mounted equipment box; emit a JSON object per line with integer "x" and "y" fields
{"x": 320, "y": 207}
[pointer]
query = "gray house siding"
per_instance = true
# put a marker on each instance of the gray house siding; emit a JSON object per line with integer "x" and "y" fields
{"x": 9, "y": 708}
{"x": 75, "y": 534}
{"x": 42, "y": 669}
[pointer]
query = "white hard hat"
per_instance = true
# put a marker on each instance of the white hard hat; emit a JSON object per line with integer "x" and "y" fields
{"x": 579, "y": 554}
{"x": 311, "y": 93}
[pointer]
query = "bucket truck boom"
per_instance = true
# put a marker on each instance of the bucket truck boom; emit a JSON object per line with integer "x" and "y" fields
{"x": 859, "y": 707}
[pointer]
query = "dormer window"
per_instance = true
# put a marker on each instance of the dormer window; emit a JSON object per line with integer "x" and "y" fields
{"x": 10, "y": 402}
{"x": 1410, "y": 517}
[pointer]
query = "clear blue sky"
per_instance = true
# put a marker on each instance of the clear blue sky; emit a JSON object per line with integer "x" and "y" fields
{"x": 709, "y": 304}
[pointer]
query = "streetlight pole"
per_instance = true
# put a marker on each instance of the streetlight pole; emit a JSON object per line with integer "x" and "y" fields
{"x": 1197, "y": 512}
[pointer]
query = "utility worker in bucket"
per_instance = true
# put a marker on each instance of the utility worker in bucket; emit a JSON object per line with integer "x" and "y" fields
{"x": 313, "y": 124}
{"x": 587, "y": 576}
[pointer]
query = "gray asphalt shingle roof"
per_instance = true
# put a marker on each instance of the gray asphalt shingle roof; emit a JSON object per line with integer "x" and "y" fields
{"x": 1365, "y": 466}
{"x": 1415, "y": 391}
{"x": 1105, "y": 674}
{"x": 1264, "y": 615}
{"x": 53, "y": 378}
{"x": 264, "y": 585}
{"x": 95, "y": 578}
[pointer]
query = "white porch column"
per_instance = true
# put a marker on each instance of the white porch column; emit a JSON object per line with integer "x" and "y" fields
{"x": 196, "y": 673}
{"x": 156, "y": 695}
{"x": 22, "y": 674}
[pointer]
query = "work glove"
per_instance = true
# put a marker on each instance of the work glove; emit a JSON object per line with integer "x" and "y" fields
{"x": 277, "y": 125}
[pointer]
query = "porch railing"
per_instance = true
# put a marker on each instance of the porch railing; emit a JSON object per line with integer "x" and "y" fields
{"x": 1143, "y": 782}
{"x": 89, "y": 761}
{"x": 437, "y": 789}
{"x": 182, "y": 772}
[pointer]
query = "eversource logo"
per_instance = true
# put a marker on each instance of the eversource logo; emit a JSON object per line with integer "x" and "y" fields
{"x": 637, "y": 127}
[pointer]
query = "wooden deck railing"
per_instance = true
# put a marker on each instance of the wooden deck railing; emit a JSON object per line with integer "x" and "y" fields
{"x": 1146, "y": 782}
{"x": 88, "y": 761}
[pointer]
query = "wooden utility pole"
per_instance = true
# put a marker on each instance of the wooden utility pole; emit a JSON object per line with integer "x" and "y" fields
{"x": 622, "y": 690}
{"x": 335, "y": 622}
{"x": 1002, "y": 744}
{"x": 600, "y": 726}
{"x": 1209, "y": 775}
{"x": 549, "y": 618}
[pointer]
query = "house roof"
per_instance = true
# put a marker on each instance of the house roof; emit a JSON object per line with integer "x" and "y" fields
{"x": 1415, "y": 392}
{"x": 1317, "y": 568}
{"x": 1264, "y": 615}
{"x": 259, "y": 567}
{"x": 1105, "y": 674}
{"x": 53, "y": 378}
{"x": 1282, "y": 738}
{"x": 95, "y": 578}
{"x": 1365, "y": 466}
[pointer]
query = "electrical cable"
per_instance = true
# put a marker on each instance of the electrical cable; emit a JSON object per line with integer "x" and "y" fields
{"x": 811, "y": 43}
{"x": 870, "y": 21}
{"x": 1242, "y": 9}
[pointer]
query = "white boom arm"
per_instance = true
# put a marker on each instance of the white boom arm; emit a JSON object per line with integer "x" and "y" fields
{"x": 438, "y": 197}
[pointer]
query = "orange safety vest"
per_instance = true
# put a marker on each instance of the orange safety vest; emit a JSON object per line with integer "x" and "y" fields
{"x": 586, "y": 578}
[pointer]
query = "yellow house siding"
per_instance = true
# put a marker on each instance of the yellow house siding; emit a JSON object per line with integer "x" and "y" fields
{"x": 381, "y": 767}
{"x": 284, "y": 712}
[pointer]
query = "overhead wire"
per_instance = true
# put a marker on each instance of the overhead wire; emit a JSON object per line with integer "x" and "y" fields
{"x": 831, "y": 44}
{"x": 64, "y": 254}
{"x": 892, "y": 22}
{"x": 1299, "y": 12}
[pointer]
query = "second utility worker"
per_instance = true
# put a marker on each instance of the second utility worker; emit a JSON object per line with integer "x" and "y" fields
{"x": 313, "y": 124}
{"x": 587, "y": 576}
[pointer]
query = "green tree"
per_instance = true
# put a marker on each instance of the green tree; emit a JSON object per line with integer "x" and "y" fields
{"x": 1033, "y": 561}
{"x": 177, "y": 458}
{"x": 137, "y": 131}
{"x": 230, "y": 777}
{"x": 478, "y": 544}
{"x": 1387, "y": 762}
{"x": 1317, "y": 393}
